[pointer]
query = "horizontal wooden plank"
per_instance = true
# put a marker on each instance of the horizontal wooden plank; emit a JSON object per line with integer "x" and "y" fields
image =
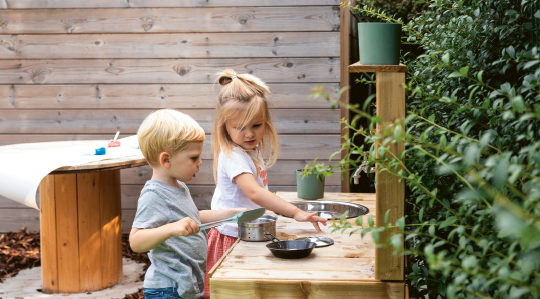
{"x": 312, "y": 121}
{"x": 14, "y": 219}
{"x": 282, "y": 173}
{"x": 313, "y": 289}
{"x": 184, "y": 45}
{"x": 305, "y": 274}
{"x": 154, "y": 96}
{"x": 163, "y": 71}
{"x": 358, "y": 68}
{"x": 170, "y": 20}
{"x": 32, "y": 4}
{"x": 291, "y": 146}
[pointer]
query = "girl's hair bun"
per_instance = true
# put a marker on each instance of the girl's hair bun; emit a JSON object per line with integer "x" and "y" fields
{"x": 226, "y": 77}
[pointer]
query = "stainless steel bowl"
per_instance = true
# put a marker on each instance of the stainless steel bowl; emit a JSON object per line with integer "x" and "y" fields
{"x": 331, "y": 209}
{"x": 254, "y": 231}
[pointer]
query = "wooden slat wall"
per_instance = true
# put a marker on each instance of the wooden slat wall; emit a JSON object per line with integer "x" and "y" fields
{"x": 81, "y": 70}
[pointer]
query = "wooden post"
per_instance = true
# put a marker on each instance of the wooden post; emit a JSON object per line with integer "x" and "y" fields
{"x": 390, "y": 193}
{"x": 344, "y": 78}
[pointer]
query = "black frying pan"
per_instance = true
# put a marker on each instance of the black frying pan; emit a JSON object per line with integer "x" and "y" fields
{"x": 290, "y": 249}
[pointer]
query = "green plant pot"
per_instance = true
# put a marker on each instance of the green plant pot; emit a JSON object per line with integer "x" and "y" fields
{"x": 309, "y": 186}
{"x": 379, "y": 43}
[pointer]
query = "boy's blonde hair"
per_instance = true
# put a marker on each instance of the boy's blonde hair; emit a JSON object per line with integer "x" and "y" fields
{"x": 244, "y": 96}
{"x": 167, "y": 130}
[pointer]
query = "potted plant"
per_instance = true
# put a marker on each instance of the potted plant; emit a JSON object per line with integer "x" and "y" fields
{"x": 310, "y": 181}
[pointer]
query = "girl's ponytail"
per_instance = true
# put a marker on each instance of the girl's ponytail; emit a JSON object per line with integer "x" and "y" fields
{"x": 241, "y": 87}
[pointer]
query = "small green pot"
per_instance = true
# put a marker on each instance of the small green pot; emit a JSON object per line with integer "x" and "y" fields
{"x": 379, "y": 43}
{"x": 309, "y": 186}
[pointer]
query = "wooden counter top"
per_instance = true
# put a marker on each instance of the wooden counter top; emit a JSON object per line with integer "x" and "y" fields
{"x": 335, "y": 271}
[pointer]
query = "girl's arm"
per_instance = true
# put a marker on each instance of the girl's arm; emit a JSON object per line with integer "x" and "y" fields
{"x": 142, "y": 240}
{"x": 267, "y": 199}
{"x": 215, "y": 215}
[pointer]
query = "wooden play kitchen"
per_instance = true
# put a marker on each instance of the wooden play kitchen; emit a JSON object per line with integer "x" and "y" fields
{"x": 352, "y": 267}
{"x": 81, "y": 223}
{"x": 345, "y": 269}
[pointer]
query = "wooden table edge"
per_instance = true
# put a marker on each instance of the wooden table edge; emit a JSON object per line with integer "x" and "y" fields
{"x": 74, "y": 169}
{"x": 355, "y": 282}
{"x": 218, "y": 263}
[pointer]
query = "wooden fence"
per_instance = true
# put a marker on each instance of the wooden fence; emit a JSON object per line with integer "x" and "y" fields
{"x": 81, "y": 70}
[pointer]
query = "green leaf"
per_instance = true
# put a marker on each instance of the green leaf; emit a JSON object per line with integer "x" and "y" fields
{"x": 386, "y": 217}
{"x": 530, "y": 63}
{"x": 375, "y": 236}
{"x": 421, "y": 214}
{"x": 401, "y": 223}
{"x": 511, "y": 51}
{"x": 479, "y": 76}
{"x": 470, "y": 262}
{"x": 431, "y": 230}
{"x": 464, "y": 70}
{"x": 449, "y": 221}
{"x": 455, "y": 74}
{"x": 442, "y": 141}
{"x": 364, "y": 232}
{"x": 395, "y": 241}
{"x": 446, "y": 58}
{"x": 367, "y": 101}
{"x": 343, "y": 217}
{"x": 537, "y": 14}
{"x": 519, "y": 104}
{"x": 370, "y": 220}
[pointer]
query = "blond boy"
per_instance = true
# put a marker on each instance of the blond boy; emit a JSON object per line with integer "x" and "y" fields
{"x": 167, "y": 221}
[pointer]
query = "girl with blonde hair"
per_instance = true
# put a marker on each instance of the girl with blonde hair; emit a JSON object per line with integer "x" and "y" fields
{"x": 245, "y": 144}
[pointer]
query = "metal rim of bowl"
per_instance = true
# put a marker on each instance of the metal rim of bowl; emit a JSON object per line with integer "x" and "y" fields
{"x": 272, "y": 221}
{"x": 332, "y": 202}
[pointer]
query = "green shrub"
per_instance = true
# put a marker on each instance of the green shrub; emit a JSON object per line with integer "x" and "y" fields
{"x": 472, "y": 159}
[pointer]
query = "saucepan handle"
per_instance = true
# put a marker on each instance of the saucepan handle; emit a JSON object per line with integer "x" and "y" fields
{"x": 273, "y": 239}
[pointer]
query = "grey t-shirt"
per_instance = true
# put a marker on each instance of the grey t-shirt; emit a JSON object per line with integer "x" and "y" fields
{"x": 179, "y": 261}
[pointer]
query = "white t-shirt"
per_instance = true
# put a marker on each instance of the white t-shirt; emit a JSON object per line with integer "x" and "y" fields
{"x": 228, "y": 194}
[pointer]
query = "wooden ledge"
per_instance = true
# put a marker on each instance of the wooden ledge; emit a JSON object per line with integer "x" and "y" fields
{"x": 370, "y": 68}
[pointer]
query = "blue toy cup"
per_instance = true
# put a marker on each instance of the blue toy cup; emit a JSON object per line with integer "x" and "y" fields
{"x": 100, "y": 151}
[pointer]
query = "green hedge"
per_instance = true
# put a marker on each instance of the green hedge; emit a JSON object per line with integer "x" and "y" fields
{"x": 472, "y": 160}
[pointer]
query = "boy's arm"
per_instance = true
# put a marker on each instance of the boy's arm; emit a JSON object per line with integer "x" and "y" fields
{"x": 215, "y": 215}
{"x": 267, "y": 199}
{"x": 142, "y": 240}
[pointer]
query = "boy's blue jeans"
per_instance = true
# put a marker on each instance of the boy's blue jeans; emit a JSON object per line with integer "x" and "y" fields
{"x": 164, "y": 293}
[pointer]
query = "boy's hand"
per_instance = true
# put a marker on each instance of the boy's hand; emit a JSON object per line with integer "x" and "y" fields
{"x": 184, "y": 227}
{"x": 303, "y": 216}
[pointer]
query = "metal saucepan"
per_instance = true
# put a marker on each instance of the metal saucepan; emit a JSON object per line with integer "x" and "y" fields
{"x": 290, "y": 249}
{"x": 253, "y": 231}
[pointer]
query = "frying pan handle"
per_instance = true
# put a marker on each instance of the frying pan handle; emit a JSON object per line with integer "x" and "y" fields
{"x": 273, "y": 239}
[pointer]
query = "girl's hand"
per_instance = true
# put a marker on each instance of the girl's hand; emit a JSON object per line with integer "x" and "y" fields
{"x": 184, "y": 227}
{"x": 236, "y": 211}
{"x": 303, "y": 216}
